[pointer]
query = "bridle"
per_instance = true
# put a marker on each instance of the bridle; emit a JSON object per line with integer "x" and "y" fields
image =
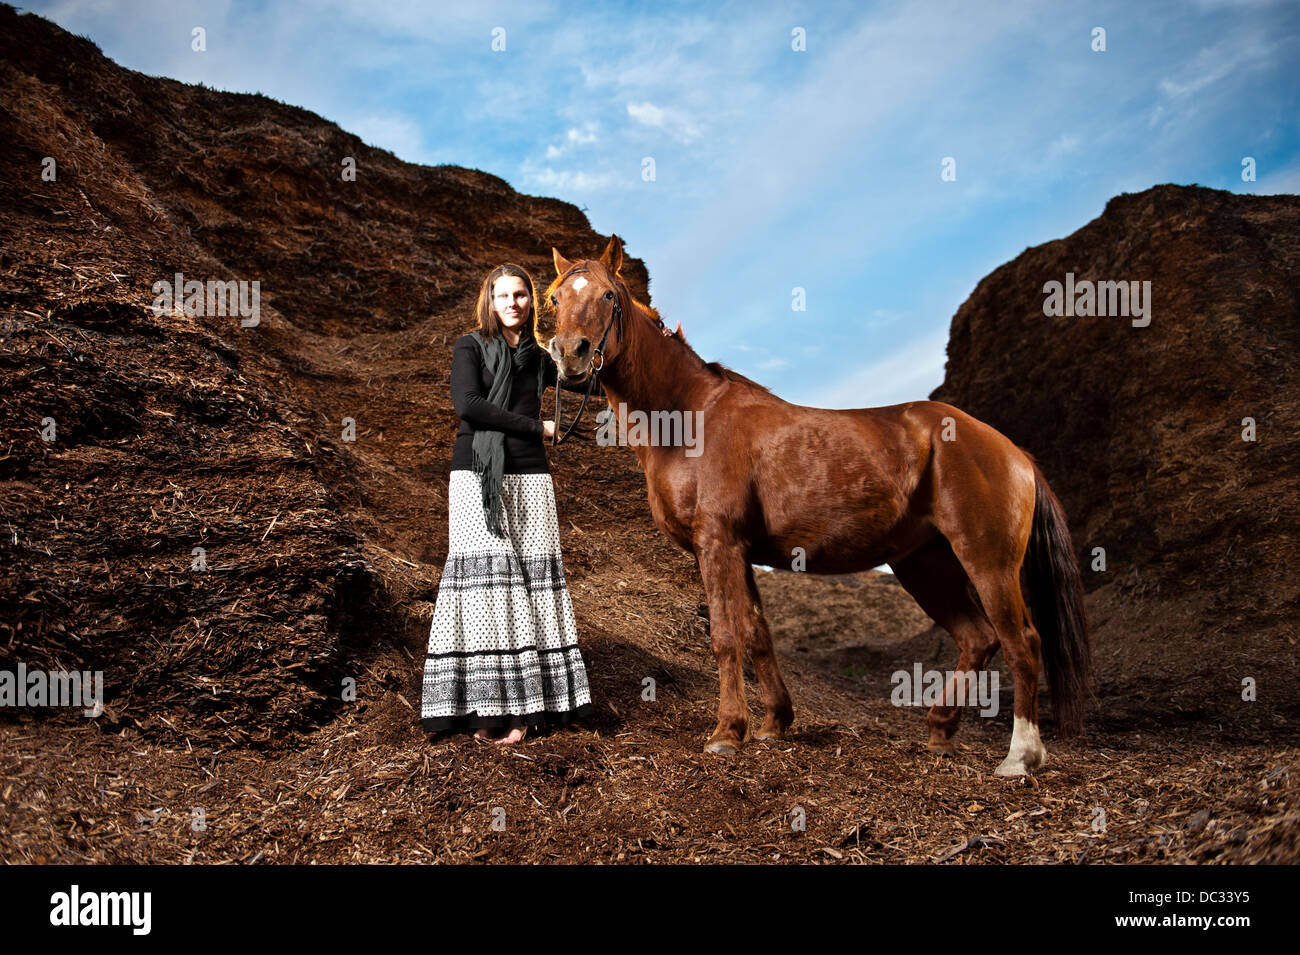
{"x": 594, "y": 374}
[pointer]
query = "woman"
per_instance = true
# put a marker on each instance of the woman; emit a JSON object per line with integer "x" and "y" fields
{"x": 503, "y": 648}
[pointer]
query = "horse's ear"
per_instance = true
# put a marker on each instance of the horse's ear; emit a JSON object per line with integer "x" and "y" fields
{"x": 562, "y": 264}
{"x": 612, "y": 257}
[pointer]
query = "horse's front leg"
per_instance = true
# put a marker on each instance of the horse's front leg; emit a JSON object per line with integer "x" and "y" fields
{"x": 722, "y": 568}
{"x": 758, "y": 639}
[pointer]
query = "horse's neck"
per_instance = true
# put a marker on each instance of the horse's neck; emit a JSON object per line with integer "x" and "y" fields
{"x": 653, "y": 373}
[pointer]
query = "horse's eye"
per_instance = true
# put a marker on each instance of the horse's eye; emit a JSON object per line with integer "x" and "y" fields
{"x": 553, "y": 301}
{"x": 609, "y": 296}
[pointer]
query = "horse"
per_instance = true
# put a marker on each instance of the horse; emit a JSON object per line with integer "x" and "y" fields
{"x": 963, "y": 517}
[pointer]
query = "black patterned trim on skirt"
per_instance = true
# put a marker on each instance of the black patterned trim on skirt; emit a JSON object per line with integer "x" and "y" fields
{"x": 537, "y": 572}
{"x": 472, "y": 721}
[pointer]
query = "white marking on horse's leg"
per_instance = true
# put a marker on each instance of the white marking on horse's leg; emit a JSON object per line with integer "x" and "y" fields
{"x": 579, "y": 284}
{"x": 1027, "y": 751}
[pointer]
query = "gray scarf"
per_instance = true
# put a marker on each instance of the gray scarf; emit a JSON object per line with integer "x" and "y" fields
{"x": 490, "y": 446}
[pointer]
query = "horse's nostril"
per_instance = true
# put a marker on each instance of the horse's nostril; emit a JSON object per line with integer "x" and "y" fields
{"x": 584, "y": 346}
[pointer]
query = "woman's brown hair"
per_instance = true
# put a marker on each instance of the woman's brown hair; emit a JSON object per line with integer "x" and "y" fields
{"x": 487, "y": 316}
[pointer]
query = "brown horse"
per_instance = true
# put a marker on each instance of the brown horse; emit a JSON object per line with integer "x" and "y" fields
{"x": 954, "y": 507}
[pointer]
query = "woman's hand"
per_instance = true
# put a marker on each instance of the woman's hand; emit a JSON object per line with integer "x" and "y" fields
{"x": 548, "y": 429}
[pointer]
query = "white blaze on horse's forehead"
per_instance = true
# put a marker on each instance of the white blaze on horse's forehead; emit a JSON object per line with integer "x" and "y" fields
{"x": 579, "y": 284}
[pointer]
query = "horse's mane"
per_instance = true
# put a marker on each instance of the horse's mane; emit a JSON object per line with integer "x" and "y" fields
{"x": 651, "y": 314}
{"x": 718, "y": 368}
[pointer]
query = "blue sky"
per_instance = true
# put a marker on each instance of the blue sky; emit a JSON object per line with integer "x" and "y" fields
{"x": 777, "y": 168}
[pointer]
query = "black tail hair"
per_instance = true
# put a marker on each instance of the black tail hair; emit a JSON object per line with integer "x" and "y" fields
{"x": 1056, "y": 603}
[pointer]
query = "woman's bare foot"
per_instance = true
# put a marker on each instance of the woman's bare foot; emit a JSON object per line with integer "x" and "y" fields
{"x": 483, "y": 733}
{"x": 516, "y": 735}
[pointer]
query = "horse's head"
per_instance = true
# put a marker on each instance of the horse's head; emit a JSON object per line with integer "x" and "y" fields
{"x": 592, "y": 307}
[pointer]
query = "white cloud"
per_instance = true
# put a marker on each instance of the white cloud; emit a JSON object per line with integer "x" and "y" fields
{"x": 573, "y": 137}
{"x": 908, "y": 374}
{"x": 671, "y": 121}
{"x": 1212, "y": 64}
{"x": 562, "y": 181}
{"x": 578, "y": 137}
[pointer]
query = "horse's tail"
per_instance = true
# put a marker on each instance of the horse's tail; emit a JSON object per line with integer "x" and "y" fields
{"x": 1056, "y": 602}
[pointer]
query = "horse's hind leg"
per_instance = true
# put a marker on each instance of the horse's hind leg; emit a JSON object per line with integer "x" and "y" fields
{"x": 1000, "y": 593}
{"x": 936, "y": 580}
{"x": 997, "y": 580}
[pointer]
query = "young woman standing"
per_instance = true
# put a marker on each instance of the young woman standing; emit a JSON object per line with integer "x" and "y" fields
{"x": 503, "y": 647}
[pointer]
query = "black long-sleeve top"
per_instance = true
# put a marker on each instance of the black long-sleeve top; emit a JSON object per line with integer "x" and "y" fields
{"x": 520, "y": 420}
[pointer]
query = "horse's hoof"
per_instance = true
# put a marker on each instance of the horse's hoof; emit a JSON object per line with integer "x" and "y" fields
{"x": 1021, "y": 765}
{"x": 1027, "y": 751}
{"x": 1015, "y": 767}
{"x": 941, "y": 749}
{"x": 722, "y": 747}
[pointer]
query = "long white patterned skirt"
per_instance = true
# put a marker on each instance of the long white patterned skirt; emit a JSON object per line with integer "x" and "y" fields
{"x": 503, "y": 646}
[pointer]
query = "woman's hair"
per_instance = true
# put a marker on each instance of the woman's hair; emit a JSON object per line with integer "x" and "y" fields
{"x": 486, "y": 314}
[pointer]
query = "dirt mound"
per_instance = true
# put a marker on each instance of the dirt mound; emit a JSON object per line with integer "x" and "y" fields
{"x": 1139, "y": 428}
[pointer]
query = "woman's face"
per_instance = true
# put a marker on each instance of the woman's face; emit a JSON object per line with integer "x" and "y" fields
{"x": 510, "y": 301}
